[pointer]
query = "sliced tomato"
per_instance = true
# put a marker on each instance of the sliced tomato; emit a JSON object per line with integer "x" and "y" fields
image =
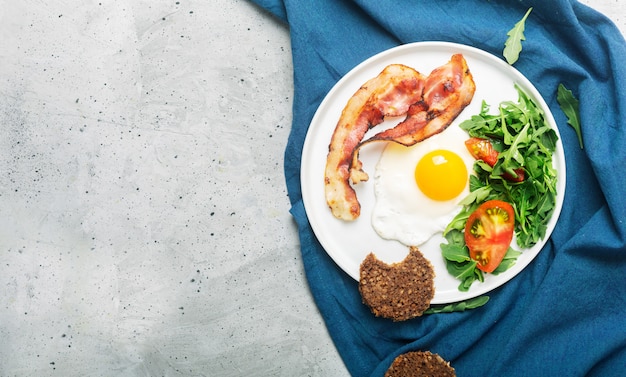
{"x": 482, "y": 149}
{"x": 519, "y": 178}
{"x": 488, "y": 233}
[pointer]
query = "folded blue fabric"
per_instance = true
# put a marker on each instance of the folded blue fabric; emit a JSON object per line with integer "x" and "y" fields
{"x": 565, "y": 314}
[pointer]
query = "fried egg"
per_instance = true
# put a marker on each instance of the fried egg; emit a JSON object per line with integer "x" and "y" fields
{"x": 418, "y": 188}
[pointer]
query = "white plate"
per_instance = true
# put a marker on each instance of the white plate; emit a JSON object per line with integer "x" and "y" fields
{"x": 348, "y": 243}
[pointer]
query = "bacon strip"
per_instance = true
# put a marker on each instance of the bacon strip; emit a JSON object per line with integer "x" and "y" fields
{"x": 447, "y": 91}
{"x": 431, "y": 104}
{"x": 388, "y": 94}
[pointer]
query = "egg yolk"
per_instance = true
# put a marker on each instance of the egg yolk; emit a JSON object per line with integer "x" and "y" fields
{"x": 441, "y": 175}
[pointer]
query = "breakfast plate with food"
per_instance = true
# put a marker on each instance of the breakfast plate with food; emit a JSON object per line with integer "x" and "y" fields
{"x": 429, "y": 146}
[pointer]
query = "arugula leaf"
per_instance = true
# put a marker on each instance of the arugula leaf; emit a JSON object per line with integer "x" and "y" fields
{"x": 523, "y": 138}
{"x": 455, "y": 252}
{"x": 569, "y": 105}
{"x": 462, "y": 306}
{"x": 508, "y": 261}
{"x": 513, "y": 44}
{"x": 458, "y": 262}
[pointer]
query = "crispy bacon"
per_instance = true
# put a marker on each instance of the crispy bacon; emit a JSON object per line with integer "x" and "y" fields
{"x": 388, "y": 94}
{"x": 431, "y": 104}
{"x": 447, "y": 91}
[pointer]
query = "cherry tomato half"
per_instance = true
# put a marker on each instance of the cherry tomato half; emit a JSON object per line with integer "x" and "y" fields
{"x": 488, "y": 233}
{"x": 482, "y": 149}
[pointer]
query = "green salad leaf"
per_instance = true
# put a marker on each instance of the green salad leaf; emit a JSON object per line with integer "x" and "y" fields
{"x": 569, "y": 106}
{"x": 458, "y": 262}
{"x": 462, "y": 267}
{"x": 524, "y": 140}
{"x": 513, "y": 44}
{"x": 509, "y": 260}
{"x": 520, "y": 133}
{"x": 462, "y": 306}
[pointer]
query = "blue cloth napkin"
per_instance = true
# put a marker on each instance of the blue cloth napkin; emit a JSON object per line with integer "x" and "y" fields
{"x": 565, "y": 314}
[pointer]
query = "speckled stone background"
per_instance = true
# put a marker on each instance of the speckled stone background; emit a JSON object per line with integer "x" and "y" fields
{"x": 144, "y": 225}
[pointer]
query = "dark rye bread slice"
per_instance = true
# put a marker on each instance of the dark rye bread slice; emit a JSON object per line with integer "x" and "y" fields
{"x": 420, "y": 364}
{"x": 398, "y": 291}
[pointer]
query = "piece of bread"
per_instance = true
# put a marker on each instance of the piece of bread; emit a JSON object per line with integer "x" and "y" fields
{"x": 420, "y": 364}
{"x": 399, "y": 291}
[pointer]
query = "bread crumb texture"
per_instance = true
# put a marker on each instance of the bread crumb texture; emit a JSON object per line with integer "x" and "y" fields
{"x": 397, "y": 291}
{"x": 420, "y": 364}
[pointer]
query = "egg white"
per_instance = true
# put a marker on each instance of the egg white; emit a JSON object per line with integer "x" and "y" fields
{"x": 402, "y": 212}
